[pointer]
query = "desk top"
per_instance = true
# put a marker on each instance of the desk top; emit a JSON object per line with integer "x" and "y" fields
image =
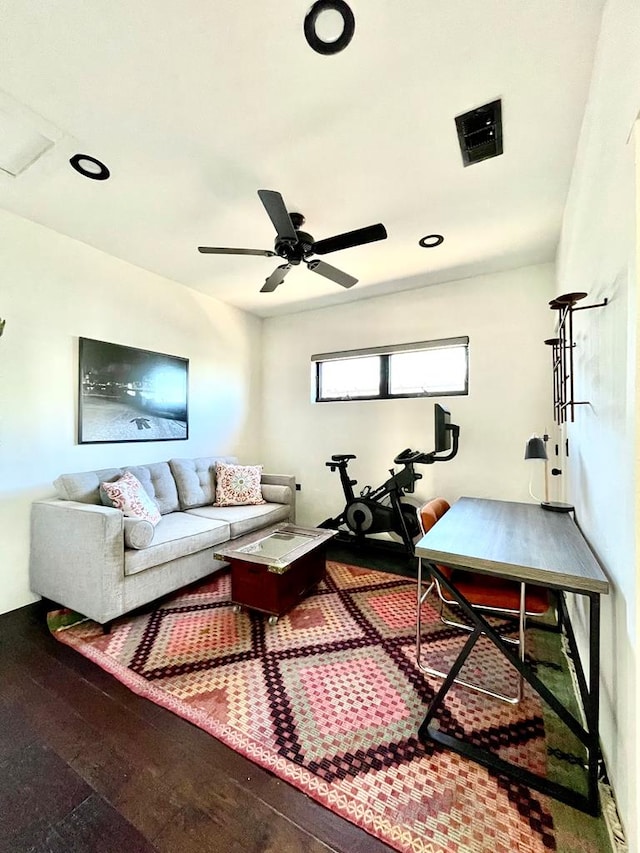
{"x": 518, "y": 540}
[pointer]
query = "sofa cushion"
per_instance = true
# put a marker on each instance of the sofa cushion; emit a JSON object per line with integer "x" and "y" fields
{"x": 196, "y": 479}
{"x": 138, "y": 533}
{"x": 158, "y": 482}
{"x": 238, "y": 485}
{"x": 85, "y": 486}
{"x": 176, "y": 535}
{"x": 244, "y": 519}
{"x": 129, "y": 495}
{"x": 277, "y": 494}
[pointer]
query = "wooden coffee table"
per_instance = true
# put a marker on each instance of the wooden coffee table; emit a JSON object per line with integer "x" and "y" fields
{"x": 273, "y": 568}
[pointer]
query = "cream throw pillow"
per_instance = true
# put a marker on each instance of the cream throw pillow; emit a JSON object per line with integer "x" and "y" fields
{"x": 238, "y": 485}
{"x": 129, "y": 495}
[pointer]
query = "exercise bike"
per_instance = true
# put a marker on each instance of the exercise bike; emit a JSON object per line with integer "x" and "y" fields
{"x": 382, "y": 510}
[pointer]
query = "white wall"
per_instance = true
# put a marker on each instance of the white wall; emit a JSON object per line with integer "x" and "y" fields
{"x": 507, "y": 318}
{"x": 598, "y": 255}
{"x": 54, "y": 290}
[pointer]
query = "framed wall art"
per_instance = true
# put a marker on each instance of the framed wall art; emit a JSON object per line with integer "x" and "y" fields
{"x": 129, "y": 394}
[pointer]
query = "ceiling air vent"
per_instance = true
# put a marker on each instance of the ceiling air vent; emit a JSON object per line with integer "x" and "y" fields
{"x": 480, "y": 133}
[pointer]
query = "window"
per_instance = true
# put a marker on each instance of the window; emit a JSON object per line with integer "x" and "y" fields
{"x": 350, "y": 377}
{"x": 425, "y": 369}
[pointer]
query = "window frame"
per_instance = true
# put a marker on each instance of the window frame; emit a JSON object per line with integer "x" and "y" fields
{"x": 385, "y": 353}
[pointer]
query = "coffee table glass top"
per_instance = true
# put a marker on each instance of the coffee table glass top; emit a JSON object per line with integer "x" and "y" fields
{"x": 277, "y": 545}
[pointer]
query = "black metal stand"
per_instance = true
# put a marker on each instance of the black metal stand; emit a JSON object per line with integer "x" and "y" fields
{"x": 589, "y": 695}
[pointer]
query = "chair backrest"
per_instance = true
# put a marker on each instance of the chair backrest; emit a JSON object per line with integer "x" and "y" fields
{"x": 431, "y": 512}
{"x": 427, "y": 516}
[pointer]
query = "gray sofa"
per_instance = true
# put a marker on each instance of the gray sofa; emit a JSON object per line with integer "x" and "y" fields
{"x": 92, "y": 559}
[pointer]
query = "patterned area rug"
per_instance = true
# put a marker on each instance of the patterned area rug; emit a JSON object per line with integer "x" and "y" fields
{"x": 330, "y": 699}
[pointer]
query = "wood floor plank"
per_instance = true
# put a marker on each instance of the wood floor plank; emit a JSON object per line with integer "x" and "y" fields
{"x": 55, "y": 722}
{"x": 197, "y": 829}
{"x": 37, "y": 789}
{"x": 96, "y": 826}
{"x": 15, "y": 730}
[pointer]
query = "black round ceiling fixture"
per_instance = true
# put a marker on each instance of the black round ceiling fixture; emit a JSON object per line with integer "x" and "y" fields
{"x": 348, "y": 26}
{"x": 431, "y": 241}
{"x": 90, "y": 167}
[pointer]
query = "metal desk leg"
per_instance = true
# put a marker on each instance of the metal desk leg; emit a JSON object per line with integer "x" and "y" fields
{"x": 589, "y": 693}
{"x": 588, "y": 736}
{"x": 592, "y": 707}
{"x": 438, "y": 699}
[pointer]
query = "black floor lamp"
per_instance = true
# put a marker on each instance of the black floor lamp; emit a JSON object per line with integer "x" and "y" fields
{"x": 537, "y": 449}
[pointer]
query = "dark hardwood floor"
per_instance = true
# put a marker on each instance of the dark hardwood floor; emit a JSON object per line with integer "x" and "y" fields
{"x": 86, "y": 765}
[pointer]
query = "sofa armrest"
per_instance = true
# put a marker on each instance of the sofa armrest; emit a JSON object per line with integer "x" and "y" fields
{"x": 77, "y": 556}
{"x": 290, "y": 493}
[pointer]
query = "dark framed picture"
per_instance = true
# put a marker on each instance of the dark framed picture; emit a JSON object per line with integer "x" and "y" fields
{"x": 129, "y": 394}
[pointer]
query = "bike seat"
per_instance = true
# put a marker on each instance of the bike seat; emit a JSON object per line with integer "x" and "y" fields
{"x": 342, "y": 457}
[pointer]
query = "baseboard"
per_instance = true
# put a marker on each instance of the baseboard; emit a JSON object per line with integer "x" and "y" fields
{"x": 611, "y": 816}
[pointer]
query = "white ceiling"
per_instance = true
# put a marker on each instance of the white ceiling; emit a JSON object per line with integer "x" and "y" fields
{"x": 195, "y": 106}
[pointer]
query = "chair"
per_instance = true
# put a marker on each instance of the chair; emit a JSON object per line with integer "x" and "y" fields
{"x": 492, "y": 595}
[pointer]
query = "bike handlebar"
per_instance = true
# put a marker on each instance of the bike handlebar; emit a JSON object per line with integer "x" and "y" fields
{"x": 406, "y": 456}
{"x": 409, "y": 456}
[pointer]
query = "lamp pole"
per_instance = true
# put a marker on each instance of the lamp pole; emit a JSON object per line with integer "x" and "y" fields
{"x": 545, "y": 438}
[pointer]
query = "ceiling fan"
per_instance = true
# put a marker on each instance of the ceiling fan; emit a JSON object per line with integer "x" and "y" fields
{"x": 295, "y": 246}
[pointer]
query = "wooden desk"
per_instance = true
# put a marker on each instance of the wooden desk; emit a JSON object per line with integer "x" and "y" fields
{"x": 524, "y": 543}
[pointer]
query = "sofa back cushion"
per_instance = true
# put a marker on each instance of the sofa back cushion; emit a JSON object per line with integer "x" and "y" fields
{"x": 85, "y": 486}
{"x": 158, "y": 482}
{"x": 196, "y": 479}
{"x": 156, "y": 478}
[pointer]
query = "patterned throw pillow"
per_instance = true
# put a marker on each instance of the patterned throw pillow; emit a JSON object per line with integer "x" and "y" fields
{"x": 129, "y": 495}
{"x": 238, "y": 485}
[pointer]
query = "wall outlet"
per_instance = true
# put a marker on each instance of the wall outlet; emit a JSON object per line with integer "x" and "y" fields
{"x": 298, "y": 487}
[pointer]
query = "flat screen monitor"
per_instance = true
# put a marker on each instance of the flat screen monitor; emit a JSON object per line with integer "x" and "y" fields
{"x": 442, "y": 430}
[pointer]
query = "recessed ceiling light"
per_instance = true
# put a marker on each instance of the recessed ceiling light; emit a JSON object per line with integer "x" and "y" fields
{"x": 90, "y": 167}
{"x": 334, "y": 36}
{"x": 431, "y": 241}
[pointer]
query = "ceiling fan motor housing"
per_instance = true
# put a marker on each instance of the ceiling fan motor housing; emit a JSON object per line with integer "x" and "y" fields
{"x": 296, "y": 252}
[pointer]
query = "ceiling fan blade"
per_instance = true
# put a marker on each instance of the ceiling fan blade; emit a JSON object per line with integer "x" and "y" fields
{"x": 275, "y": 279}
{"x": 278, "y": 214}
{"x": 216, "y": 250}
{"x": 350, "y": 238}
{"x": 333, "y": 273}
